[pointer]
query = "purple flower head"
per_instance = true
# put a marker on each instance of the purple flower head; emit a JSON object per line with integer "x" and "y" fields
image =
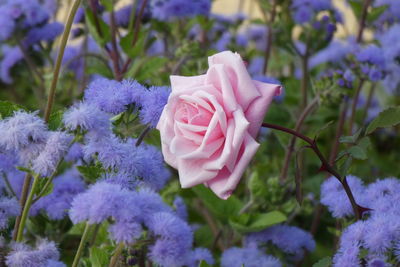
{"x": 303, "y": 15}
{"x": 292, "y": 240}
{"x": 112, "y": 96}
{"x": 258, "y": 34}
{"x": 9, "y": 207}
{"x": 152, "y": 104}
{"x": 167, "y": 10}
{"x": 347, "y": 257}
{"x": 87, "y": 117}
{"x": 334, "y": 197}
{"x": 46, "y": 33}
{"x": 56, "y": 147}
{"x": 75, "y": 153}
{"x": 180, "y": 208}
{"x": 12, "y": 55}
{"x": 150, "y": 202}
{"x": 198, "y": 255}
{"x": 353, "y": 234}
{"x": 7, "y": 25}
{"x": 22, "y": 130}
{"x": 125, "y": 231}
{"x": 373, "y": 55}
{"x": 57, "y": 204}
{"x": 377, "y": 262}
{"x": 250, "y": 257}
{"x": 168, "y": 253}
{"x": 22, "y": 255}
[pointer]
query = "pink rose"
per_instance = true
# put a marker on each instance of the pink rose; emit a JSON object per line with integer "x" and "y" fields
{"x": 209, "y": 125}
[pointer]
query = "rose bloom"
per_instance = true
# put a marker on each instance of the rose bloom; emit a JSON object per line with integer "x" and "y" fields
{"x": 209, "y": 125}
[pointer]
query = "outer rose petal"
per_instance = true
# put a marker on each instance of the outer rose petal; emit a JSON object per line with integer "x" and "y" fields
{"x": 225, "y": 182}
{"x": 256, "y": 111}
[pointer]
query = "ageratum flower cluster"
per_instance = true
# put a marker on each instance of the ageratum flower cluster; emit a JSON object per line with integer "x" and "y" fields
{"x": 376, "y": 238}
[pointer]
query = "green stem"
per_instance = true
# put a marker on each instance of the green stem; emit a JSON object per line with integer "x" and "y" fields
{"x": 48, "y": 183}
{"x": 81, "y": 247}
{"x": 27, "y": 206}
{"x": 114, "y": 259}
{"x": 60, "y": 55}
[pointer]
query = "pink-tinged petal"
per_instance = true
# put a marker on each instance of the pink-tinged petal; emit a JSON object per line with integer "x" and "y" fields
{"x": 180, "y": 84}
{"x": 226, "y": 181}
{"x": 256, "y": 111}
{"x": 191, "y": 172}
{"x": 237, "y": 129}
{"x": 238, "y": 76}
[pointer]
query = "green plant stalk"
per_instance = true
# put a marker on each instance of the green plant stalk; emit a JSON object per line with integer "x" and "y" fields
{"x": 118, "y": 251}
{"x": 81, "y": 247}
{"x": 27, "y": 207}
{"x": 57, "y": 67}
{"x": 22, "y": 201}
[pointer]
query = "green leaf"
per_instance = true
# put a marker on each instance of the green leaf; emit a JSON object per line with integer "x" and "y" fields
{"x": 357, "y": 152}
{"x": 98, "y": 257}
{"x": 138, "y": 48}
{"x": 102, "y": 37}
{"x": 376, "y": 12}
{"x": 90, "y": 172}
{"x": 324, "y": 262}
{"x": 204, "y": 264}
{"x": 24, "y": 169}
{"x": 223, "y": 209}
{"x": 357, "y": 7}
{"x": 257, "y": 186}
{"x": 146, "y": 68}
{"x": 352, "y": 139}
{"x": 387, "y": 118}
{"x": 55, "y": 120}
{"x": 107, "y": 4}
{"x": 246, "y": 223}
{"x": 41, "y": 185}
{"x": 7, "y": 109}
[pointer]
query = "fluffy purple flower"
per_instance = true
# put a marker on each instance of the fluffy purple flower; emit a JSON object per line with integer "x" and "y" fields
{"x": 168, "y": 253}
{"x": 353, "y": 234}
{"x": 334, "y": 197}
{"x": 123, "y": 231}
{"x": 180, "y": 208}
{"x": 56, "y": 146}
{"x": 166, "y": 10}
{"x": 12, "y": 55}
{"x": 373, "y": 55}
{"x": 347, "y": 257}
{"x": 58, "y": 202}
{"x": 125, "y": 180}
{"x": 258, "y": 35}
{"x": 249, "y": 257}
{"x": 152, "y": 104}
{"x": 24, "y": 256}
{"x": 292, "y": 240}
{"x": 198, "y": 255}
{"x": 112, "y": 96}
{"x": 7, "y": 25}
{"x": 150, "y": 202}
{"x": 22, "y": 130}
{"x": 9, "y": 207}
{"x": 46, "y": 33}
{"x": 87, "y": 117}
{"x": 75, "y": 153}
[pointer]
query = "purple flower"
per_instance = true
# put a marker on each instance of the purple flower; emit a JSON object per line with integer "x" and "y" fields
{"x": 152, "y": 104}
{"x": 9, "y": 207}
{"x": 180, "y": 208}
{"x": 56, "y": 146}
{"x": 12, "y": 55}
{"x": 250, "y": 257}
{"x": 334, "y": 197}
{"x": 22, "y": 130}
{"x": 125, "y": 231}
{"x": 198, "y": 255}
{"x": 290, "y": 239}
{"x": 166, "y": 10}
{"x": 46, "y": 33}
{"x": 347, "y": 257}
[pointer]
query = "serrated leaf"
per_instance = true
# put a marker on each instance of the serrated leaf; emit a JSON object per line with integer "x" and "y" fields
{"x": 246, "y": 223}
{"x": 351, "y": 139}
{"x": 357, "y": 152}
{"x": 324, "y": 262}
{"x": 55, "y": 120}
{"x": 387, "y": 118}
{"x": 365, "y": 143}
{"x": 90, "y": 172}
{"x": 7, "y": 109}
{"x": 98, "y": 257}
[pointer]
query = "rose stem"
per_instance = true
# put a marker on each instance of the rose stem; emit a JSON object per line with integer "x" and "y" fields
{"x": 326, "y": 166}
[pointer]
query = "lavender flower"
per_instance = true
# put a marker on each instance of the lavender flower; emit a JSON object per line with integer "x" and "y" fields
{"x": 180, "y": 208}
{"x": 166, "y": 10}
{"x": 75, "y": 153}
{"x": 56, "y": 146}
{"x": 290, "y": 239}
{"x": 21, "y": 130}
{"x": 334, "y": 197}
{"x": 124, "y": 231}
{"x": 46, "y": 33}
{"x": 347, "y": 257}
{"x": 198, "y": 255}
{"x": 9, "y": 207}
{"x": 152, "y": 104}
{"x": 12, "y": 55}
{"x": 250, "y": 257}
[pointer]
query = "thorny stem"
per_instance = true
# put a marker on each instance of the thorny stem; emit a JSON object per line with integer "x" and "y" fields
{"x": 354, "y": 106}
{"x": 58, "y": 62}
{"x": 292, "y": 143}
{"x": 81, "y": 246}
{"x": 363, "y": 19}
{"x": 22, "y": 201}
{"x": 142, "y": 135}
{"x": 117, "y": 253}
{"x": 326, "y": 166}
{"x": 26, "y": 209}
{"x": 268, "y": 46}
